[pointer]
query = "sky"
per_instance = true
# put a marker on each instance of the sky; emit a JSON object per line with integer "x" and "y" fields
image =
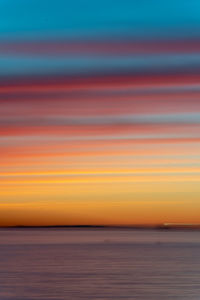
{"x": 99, "y": 112}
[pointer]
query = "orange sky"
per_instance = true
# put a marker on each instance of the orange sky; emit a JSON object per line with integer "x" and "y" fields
{"x": 93, "y": 157}
{"x": 99, "y": 112}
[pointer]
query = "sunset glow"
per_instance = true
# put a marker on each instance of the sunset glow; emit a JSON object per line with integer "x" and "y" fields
{"x": 99, "y": 118}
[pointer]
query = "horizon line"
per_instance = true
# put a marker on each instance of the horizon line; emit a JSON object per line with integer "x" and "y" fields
{"x": 120, "y": 226}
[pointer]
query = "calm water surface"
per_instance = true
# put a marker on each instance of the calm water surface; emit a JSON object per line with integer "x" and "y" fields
{"x": 99, "y": 264}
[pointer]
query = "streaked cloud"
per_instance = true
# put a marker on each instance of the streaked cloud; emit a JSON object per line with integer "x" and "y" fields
{"x": 99, "y": 112}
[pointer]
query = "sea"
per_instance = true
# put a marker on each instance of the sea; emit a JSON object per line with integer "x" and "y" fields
{"x": 99, "y": 264}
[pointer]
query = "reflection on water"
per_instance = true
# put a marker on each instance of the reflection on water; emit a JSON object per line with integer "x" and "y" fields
{"x": 99, "y": 264}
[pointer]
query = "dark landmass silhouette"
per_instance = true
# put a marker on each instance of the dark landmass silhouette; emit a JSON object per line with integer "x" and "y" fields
{"x": 165, "y": 226}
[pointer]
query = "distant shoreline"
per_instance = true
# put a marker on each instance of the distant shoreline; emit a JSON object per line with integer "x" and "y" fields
{"x": 113, "y": 227}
